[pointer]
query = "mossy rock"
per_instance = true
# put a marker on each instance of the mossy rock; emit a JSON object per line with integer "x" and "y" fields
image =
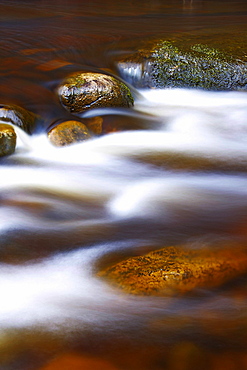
{"x": 7, "y": 140}
{"x": 82, "y": 91}
{"x": 185, "y": 63}
{"x": 176, "y": 270}
{"x": 18, "y": 116}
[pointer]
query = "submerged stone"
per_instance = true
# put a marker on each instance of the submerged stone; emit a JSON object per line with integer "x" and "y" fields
{"x": 173, "y": 270}
{"x": 18, "y": 116}
{"x": 68, "y": 132}
{"x": 94, "y": 124}
{"x": 82, "y": 91}
{"x": 7, "y": 140}
{"x": 185, "y": 64}
{"x": 78, "y": 362}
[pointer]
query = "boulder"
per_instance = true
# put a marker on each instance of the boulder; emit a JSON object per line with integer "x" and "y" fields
{"x": 82, "y": 91}
{"x": 18, "y": 116}
{"x": 68, "y": 132}
{"x": 7, "y": 139}
{"x": 184, "y": 63}
{"x": 176, "y": 270}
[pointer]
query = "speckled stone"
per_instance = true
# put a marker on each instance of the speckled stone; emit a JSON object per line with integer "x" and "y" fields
{"x": 176, "y": 270}
{"x": 186, "y": 62}
{"x": 68, "y": 132}
{"x": 82, "y": 91}
{"x": 7, "y": 139}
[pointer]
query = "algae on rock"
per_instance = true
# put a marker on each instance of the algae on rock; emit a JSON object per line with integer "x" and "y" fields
{"x": 183, "y": 64}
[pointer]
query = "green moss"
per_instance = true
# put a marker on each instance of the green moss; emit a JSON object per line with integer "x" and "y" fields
{"x": 76, "y": 80}
{"x": 127, "y": 93}
{"x": 206, "y": 50}
{"x": 182, "y": 63}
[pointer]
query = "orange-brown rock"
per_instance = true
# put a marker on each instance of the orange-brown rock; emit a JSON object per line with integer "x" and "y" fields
{"x": 7, "y": 139}
{"x": 77, "y": 362}
{"x": 86, "y": 90}
{"x": 68, "y": 132}
{"x": 94, "y": 124}
{"x": 177, "y": 270}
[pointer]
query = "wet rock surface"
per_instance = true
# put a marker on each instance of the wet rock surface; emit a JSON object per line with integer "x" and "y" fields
{"x": 185, "y": 63}
{"x": 94, "y": 124}
{"x": 78, "y": 362}
{"x": 7, "y": 139}
{"x": 174, "y": 270}
{"x": 18, "y": 116}
{"x": 83, "y": 91}
{"x": 68, "y": 132}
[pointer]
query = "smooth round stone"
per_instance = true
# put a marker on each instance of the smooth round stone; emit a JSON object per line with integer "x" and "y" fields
{"x": 68, "y": 132}
{"x": 177, "y": 270}
{"x": 82, "y": 91}
{"x": 18, "y": 116}
{"x": 7, "y": 139}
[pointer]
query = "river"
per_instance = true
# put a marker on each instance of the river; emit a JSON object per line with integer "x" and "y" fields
{"x": 173, "y": 173}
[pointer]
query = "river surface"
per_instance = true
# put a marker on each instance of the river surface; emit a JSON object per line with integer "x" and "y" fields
{"x": 173, "y": 173}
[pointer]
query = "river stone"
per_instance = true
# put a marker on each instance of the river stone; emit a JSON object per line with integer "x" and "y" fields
{"x": 94, "y": 124}
{"x": 184, "y": 63}
{"x": 7, "y": 139}
{"x": 68, "y": 132}
{"x": 76, "y": 361}
{"x": 18, "y": 116}
{"x": 174, "y": 270}
{"x": 81, "y": 91}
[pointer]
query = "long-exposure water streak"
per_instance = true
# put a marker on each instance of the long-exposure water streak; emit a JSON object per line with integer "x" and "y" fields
{"x": 177, "y": 178}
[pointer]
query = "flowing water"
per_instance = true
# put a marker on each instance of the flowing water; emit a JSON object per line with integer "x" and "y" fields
{"x": 173, "y": 173}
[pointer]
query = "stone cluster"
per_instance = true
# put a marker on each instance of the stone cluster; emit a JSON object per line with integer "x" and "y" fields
{"x": 186, "y": 63}
{"x": 11, "y": 116}
{"x": 77, "y": 93}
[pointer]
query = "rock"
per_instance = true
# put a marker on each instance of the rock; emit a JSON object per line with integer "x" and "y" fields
{"x": 7, "y": 139}
{"x": 174, "y": 270}
{"x": 94, "y": 124}
{"x": 18, "y": 116}
{"x": 184, "y": 63}
{"x": 78, "y": 362}
{"x": 190, "y": 355}
{"x": 82, "y": 91}
{"x": 68, "y": 132}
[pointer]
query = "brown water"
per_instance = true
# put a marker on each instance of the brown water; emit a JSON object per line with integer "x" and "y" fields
{"x": 65, "y": 211}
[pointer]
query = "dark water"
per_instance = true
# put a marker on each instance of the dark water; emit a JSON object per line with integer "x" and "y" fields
{"x": 65, "y": 211}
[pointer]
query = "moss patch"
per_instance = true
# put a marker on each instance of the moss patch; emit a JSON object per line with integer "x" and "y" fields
{"x": 186, "y": 63}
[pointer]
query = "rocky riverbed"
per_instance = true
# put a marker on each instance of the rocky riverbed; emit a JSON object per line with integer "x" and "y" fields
{"x": 123, "y": 185}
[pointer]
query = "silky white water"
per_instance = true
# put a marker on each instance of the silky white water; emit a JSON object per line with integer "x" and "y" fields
{"x": 64, "y": 210}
